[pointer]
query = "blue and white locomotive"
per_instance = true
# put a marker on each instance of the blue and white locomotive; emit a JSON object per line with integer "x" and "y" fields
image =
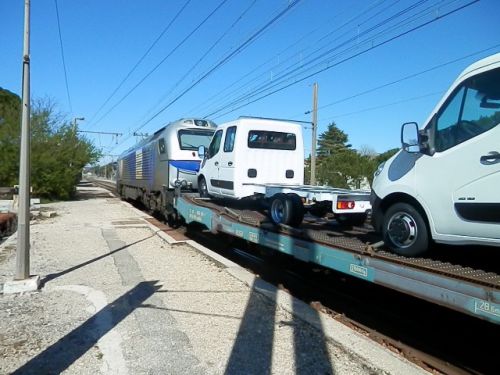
{"x": 152, "y": 169}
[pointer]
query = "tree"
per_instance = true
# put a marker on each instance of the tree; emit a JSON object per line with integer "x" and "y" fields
{"x": 58, "y": 153}
{"x": 10, "y": 120}
{"x": 336, "y": 160}
{"x": 331, "y": 140}
{"x": 340, "y": 166}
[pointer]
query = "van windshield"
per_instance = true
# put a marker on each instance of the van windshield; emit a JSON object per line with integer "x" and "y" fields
{"x": 191, "y": 139}
{"x": 271, "y": 140}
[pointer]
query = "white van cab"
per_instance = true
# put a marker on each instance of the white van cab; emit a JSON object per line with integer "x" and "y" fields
{"x": 444, "y": 185}
{"x": 251, "y": 151}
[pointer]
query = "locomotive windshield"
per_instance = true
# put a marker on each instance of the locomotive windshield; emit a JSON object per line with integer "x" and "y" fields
{"x": 191, "y": 139}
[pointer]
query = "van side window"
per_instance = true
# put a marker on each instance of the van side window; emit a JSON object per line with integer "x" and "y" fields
{"x": 213, "y": 149}
{"x": 229, "y": 140}
{"x": 271, "y": 140}
{"x": 161, "y": 146}
{"x": 473, "y": 109}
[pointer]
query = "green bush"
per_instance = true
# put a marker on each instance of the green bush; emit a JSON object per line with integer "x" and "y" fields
{"x": 58, "y": 152}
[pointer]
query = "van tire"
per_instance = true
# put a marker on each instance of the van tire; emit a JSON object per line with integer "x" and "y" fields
{"x": 203, "y": 188}
{"x": 286, "y": 209}
{"x": 298, "y": 210}
{"x": 405, "y": 231}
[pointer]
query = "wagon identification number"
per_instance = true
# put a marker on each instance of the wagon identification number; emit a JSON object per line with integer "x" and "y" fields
{"x": 196, "y": 215}
{"x": 358, "y": 270}
{"x": 254, "y": 237}
{"x": 486, "y": 307}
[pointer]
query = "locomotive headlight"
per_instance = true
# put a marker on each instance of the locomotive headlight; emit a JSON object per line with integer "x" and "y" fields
{"x": 379, "y": 169}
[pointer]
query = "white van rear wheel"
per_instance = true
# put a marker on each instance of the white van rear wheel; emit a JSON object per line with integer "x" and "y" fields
{"x": 286, "y": 209}
{"x": 405, "y": 231}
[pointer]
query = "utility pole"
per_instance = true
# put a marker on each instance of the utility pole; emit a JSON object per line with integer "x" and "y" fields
{"x": 23, "y": 224}
{"x": 75, "y": 121}
{"x": 314, "y": 131}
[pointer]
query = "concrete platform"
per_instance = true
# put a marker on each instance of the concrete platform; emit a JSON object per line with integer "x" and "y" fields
{"x": 120, "y": 295}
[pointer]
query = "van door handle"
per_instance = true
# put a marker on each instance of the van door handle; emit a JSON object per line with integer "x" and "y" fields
{"x": 230, "y": 163}
{"x": 216, "y": 163}
{"x": 492, "y": 158}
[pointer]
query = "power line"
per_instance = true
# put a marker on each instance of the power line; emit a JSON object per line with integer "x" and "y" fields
{"x": 413, "y": 75}
{"x": 62, "y": 56}
{"x": 224, "y": 60}
{"x": 314, "y": 59}
{"x": 238, "y": 19}
{"x": 382, "y": 106}
{"x": 139, "y": 61}
{"x": 163, "y": 60}
{"x": 243, "y": 84}
{"x": 330, "y": 66}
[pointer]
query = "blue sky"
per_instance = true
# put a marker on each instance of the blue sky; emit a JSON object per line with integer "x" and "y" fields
{"x": 103, "y": 40}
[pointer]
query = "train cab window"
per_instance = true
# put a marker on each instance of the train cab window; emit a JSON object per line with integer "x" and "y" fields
{"x": 191, "y": 139}
{"x": 229, "y": 140}
{"x": 161, "y": 146}
{"x": 213, "y": 149}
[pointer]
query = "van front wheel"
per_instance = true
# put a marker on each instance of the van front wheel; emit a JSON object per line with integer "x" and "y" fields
{"x": 203, "y": 188}
{"x": 405, "y": 231}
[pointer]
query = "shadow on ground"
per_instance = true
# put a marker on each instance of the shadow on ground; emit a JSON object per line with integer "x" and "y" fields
{"x": 67, "y": 350}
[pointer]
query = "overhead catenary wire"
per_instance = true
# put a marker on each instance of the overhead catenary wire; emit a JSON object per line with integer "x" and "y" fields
{"x": 407, "y": 77}
{"x": 221, "y": 62}
{"x": 369, "y": 109}
{"x": 141, "y": 59}
{"x": 63, "y": 58}
{"x": 162, "y": 61}
{"x": 203, "y": 56}
{"x": 243, "y": 82}
{"x": 313, "y": 59}
{"x": 330, "y": 66}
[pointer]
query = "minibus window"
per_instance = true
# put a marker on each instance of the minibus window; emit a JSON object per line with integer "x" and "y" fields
{"x": 213, "y": 149}
{"x": 271, "y": 140}
{"x": 229, "y": 140}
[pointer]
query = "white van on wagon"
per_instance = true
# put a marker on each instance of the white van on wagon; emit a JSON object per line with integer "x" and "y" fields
{"x": 263, "y": 159}
{"x": 268, "y": 152}
{"x": 444, "y": 184}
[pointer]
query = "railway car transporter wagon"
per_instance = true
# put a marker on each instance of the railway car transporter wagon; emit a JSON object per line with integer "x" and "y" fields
{"x": 262, "y": 160}
{"x": 150, "y": 171}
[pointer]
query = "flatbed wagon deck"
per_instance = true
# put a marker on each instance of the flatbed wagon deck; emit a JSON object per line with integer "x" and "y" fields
{"x": 355, "y": 252}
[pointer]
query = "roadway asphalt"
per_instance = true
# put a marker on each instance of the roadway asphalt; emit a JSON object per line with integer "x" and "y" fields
{"x": 119, "y": 296}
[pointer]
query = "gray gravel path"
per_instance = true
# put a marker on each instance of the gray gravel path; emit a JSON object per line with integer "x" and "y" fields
{"x": 117, "y": 299}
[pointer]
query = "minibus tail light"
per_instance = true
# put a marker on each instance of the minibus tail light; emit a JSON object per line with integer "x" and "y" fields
{"x": 345, "y": 205}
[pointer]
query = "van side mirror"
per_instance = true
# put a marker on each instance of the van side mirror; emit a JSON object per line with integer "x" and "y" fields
{"x": 409, "y": 137}
{"x": 201, "y": 152}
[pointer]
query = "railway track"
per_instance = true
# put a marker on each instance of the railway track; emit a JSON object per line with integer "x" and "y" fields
{"x": 108, "y": 185}
{"x": 436, "y": 338}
